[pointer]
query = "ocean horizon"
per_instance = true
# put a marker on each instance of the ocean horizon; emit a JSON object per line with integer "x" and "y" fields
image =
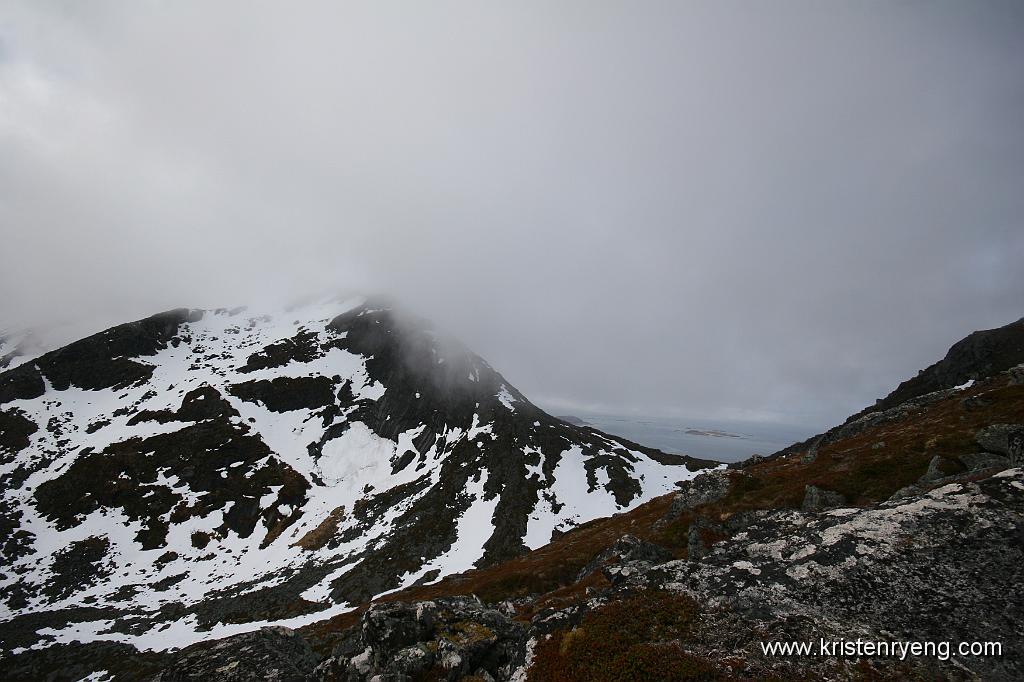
{"x": 726, "y": 440}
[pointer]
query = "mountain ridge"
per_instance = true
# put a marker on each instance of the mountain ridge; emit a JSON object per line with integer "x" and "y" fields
{"x": 195, "y": 471}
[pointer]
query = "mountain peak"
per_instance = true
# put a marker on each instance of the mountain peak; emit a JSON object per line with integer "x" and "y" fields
{"x": 236, "y": 466}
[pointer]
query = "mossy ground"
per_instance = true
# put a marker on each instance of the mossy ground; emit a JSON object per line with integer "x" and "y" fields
{"x": 632, "y": 639}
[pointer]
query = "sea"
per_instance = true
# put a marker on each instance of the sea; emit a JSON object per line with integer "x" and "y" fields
{"x": 725, "y": 441}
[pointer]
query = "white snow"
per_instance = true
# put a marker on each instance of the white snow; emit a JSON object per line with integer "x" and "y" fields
{"x": 355, "y": 459}
{"x": 506, "y": 398}
{"x": 349, "y": 465}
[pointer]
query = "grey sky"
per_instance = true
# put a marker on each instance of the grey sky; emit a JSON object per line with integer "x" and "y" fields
{"x": 766, "y": 210}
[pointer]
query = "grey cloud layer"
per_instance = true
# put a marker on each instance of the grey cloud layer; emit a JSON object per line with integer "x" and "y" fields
{"x": 773, "y": 210}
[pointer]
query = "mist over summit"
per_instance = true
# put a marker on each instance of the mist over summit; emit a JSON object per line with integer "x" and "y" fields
{"x": 702, "y": 209}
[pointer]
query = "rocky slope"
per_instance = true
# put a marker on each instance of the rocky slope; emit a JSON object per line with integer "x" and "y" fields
{"x": 201, "y": 473}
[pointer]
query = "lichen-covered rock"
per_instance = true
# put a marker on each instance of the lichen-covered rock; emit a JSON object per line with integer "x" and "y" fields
{"x": 702, "y": 533}
{"x": 445, "y": 639}
{"x": 937, "y": 470}
{"x": 896, "y": 571}
{"x": 706, "y": 488}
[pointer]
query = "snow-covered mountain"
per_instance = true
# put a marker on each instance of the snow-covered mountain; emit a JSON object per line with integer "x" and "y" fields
{"x": 197, "y": 473}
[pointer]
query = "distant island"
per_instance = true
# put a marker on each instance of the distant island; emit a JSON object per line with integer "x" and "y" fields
{"x": 714, "y": 433}
{"x": 570, "y": 419}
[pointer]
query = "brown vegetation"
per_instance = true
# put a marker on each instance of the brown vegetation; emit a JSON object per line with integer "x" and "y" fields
{"x": 318, "y": 537}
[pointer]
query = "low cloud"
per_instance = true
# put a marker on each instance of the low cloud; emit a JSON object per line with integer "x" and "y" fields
{"x": 707, "y": 209}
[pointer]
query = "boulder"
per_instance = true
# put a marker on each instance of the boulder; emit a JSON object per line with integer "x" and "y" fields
{"x": 704, "y": 489}
{"x": 627, "y": 548}
{"x": 976, "y": 402}
{"x": 934, "y": 472}
{"x": 697, "y": 543}
{"x": 977, "y": 461}
{"x": 441, "y": 639}
{"x": 392, "y": 626}
{"x": 905, "y": 492}
{"x": 819, "y": 499}
{"x": 1003, "y": 439}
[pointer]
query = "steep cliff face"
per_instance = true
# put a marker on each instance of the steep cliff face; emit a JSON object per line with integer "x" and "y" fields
{"x": 205, "y": 472}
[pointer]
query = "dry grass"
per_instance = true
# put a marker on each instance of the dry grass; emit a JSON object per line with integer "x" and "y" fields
{"x": 633, "y": 639}
{"x": 318, "y": 537}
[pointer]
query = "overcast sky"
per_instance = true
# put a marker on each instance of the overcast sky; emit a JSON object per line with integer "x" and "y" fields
{"x": 735, "y": 209}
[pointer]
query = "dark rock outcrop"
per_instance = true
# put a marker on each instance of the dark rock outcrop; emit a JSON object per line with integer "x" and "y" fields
{"x": 980, "y": 354}
{"x": 625, "y": 549}
{"x": 104, "y": 360}
{"x": 15, "y": 430}
{"x": 1004, "y": 439}
{"x": 270, "y": 653}
{"x": 286, "y": 393}
{"x": 21, "y": 383}
{"x": 706, "y": 488}
{"x": 444, "y": 639}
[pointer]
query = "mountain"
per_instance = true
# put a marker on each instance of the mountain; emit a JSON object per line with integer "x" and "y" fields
{"x": 571, "y": 419}
{"x": 980, "y": 354}
{"x": 903, "y": 525}
{"x": 201, "y": 473}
